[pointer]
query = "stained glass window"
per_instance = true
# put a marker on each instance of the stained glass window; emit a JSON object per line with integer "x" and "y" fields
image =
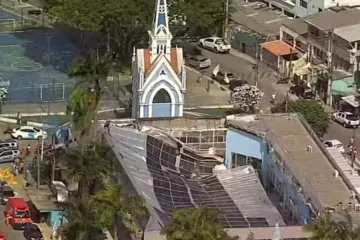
{"x": 162, "y": 96}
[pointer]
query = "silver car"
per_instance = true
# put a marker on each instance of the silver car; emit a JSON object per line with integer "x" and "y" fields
{"x": 9, "y": 154}
{"x": 9, "y": 144}
{"x": 198, "y": 61}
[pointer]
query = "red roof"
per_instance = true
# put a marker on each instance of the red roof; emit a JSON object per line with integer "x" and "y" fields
{"x": 173, "y": 60}
{"x": 18, "y": 202}
{"x": 279, "y": 48}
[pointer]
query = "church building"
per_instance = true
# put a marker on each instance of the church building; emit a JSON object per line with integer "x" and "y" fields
{"x": 158, "y": 72}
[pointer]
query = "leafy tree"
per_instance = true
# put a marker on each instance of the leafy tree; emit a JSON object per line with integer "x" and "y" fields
{"x": 93, "y": 70}
{"x": 312, "y": 110}
{"x": 325, "y": 228}
{"x": 204, "y": 15}
{"x": 195, "y": 224}
{"x": 112, "y": 203}
{"x": 86, "y": 166}
{"x": 246, "y": 98}
{"x": 82, "y": 225}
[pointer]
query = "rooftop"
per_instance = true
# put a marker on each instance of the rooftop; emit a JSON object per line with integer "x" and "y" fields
{"x": 258, "y": 17}
{"x": 349, "y": 33}
{"x": 297, "y": 25}
{"x": 278, "y": 48}
{"x": 170, "y": 176}
{"x": 290, "y": 139}
{"x": 329, "y": 20}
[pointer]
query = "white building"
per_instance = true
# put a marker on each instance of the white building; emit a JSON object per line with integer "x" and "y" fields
{"x": 302, "y": 8}
{"x": 159, "y": 77}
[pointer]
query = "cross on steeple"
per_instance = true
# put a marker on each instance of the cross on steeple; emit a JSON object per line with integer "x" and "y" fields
{"x": 160, "y": 36}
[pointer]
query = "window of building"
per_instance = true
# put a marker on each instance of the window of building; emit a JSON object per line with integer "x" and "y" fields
{"x": 162, "y": 96}
{"x": 242, "y": 160}
{"x": 320, "y": 10}
{"x": 303, "y": 4}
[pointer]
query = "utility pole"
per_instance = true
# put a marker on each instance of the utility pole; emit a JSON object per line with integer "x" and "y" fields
{"x": 331, "y": 50}
{"x": 226, "y": 22}
{"x": 256, "y": 64}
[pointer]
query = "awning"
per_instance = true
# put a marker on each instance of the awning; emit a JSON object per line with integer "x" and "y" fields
{"x": 279, "y": 48}
{"x": 344, "y": 87}
{"x": 351, "y": 100}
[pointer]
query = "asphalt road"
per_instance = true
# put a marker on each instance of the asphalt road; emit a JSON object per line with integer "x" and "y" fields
{"x": 241, "y": 66}
{"x": 9, "y": 232}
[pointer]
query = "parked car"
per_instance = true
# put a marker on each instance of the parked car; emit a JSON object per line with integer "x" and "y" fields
{"x": 198, "y": 61}
{"x": 335, "y": 143}
{"x": 28, "y": 132}
{"x": 302, "y": 91}
{"x": 9, "y": 143}
{"x": 2, "y": 236}
{"x": 347, "y": 119}
{"x": 32, "y": 232}
{"x": 215, "y": 44}
{"x": 9, "y": 154}
{"x": 223, "y": 77}
{"x": 237, "y": 83}
{"x": 7, "y": 192}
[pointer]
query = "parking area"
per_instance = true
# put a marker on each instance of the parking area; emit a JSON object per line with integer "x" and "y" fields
{"x": 18, "y": 189}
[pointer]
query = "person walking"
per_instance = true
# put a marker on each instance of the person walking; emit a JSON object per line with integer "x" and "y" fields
{"x": 18, "y": 118}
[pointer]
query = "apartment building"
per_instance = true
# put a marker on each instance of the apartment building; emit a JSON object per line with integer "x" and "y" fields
{"x": 302, "y": 8}
{"x": 312, "y": 34}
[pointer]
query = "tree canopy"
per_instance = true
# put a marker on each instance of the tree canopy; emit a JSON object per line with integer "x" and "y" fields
{"x": 195, "y": 224}
{"x": 312, "y": 110}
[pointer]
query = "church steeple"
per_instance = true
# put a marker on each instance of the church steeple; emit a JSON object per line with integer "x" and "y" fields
{"x": 160, "y": 36}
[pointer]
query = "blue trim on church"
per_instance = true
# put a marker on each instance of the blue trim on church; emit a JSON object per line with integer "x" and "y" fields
{"x": 161, "y": 19}
{"x": 161, "y": 109}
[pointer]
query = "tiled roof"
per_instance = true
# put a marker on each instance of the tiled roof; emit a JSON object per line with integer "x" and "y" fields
{"x": 173, "y": 60}
{"x": 278, "y": 48}
{"x": 147, "y": 60}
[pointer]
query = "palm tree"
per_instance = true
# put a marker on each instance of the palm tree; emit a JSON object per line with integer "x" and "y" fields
{"x": 83, "y": 103}
{"x": 325, "y": 228}
{"x": 112, "y": 203}
{"x": 195, "y": 224}
{"x": 82, "y": 224}
{"x": 87, "y": 166}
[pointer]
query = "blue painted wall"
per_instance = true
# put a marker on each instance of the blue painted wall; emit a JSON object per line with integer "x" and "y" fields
{"x": 161, "y": 110}
{"x": 245, "y": 144}
{"x": 253, "y": 146}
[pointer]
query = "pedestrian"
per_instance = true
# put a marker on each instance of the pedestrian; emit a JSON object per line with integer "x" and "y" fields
{"x": 22, "y": 153}
{"x": 351, "y": 150}
{"x": 28, "y": 150}
{"x": 107, "y": 126}
{"x": 18, "y": 118}
{"x": 352, "y": 141}
{"x": 199, "y": 77}
{"x": 354, "y": 152}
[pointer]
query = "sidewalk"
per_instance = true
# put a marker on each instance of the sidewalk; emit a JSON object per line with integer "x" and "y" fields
{"x": 19, "y": 190}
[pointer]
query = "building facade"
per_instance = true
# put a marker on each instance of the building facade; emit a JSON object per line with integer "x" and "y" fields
{"x": 256, "y": 151}
{"x": 158, "y": 72}
{"x": 302, "y": 8}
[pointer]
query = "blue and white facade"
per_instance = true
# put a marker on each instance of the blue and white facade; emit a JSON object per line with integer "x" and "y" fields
{"x": 251, "y": 148}
{"x": 158, "y": 73}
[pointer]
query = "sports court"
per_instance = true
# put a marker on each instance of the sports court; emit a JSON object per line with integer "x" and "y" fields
{"x": 34, "y": 64}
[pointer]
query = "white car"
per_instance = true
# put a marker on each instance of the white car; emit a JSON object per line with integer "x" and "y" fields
{"x": 336, "y": 144}
{"x": 347, "y": 119}
{"x": 28, "y": 132}
{"x": 215, "y": 44}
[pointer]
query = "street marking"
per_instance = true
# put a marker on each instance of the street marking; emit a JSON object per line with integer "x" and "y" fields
{"x": 275, "y": 20}
{"x": 253, "y": 14}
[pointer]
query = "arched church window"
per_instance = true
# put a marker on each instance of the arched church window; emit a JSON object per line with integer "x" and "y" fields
{"x": 162, "y": 96}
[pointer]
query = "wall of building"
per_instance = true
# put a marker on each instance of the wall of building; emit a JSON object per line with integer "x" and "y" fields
{"x": 278, "y": 181}
{"x": 312, "y": 6}
{"x": 244, "y": 144}
{"x": 275, "y": 178}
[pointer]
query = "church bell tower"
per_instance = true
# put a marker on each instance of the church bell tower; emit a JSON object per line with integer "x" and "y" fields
{"x": 160, "y": 35}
